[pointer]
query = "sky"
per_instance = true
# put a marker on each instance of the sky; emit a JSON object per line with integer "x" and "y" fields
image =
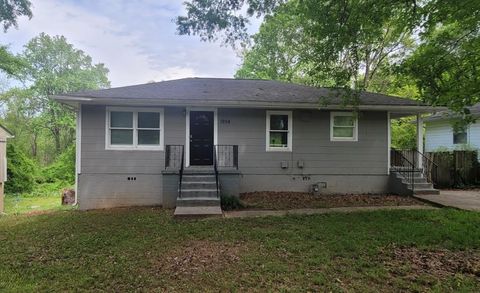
{"x": 136, "y": 40}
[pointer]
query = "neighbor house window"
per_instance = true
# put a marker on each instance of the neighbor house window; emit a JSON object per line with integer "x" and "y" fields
{"x": 134, "y": 128}
{"x": 459, "y": 136}
{"x": 279, "y": 130}
{"x": 343, "y": 126}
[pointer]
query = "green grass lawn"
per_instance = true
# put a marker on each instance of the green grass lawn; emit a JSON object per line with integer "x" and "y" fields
{"x": 20, "y": 204}
{"x": 144, "y": 249}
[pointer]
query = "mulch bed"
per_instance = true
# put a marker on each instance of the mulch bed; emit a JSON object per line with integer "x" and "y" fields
{"x": 410, "y": 262}
{"x": 300, "y": 200}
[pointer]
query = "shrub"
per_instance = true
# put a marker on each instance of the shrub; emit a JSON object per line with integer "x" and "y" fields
{"x": 229, "y": 202}
{"x": 62, "y": 169}
{"x": 21, "y": 171}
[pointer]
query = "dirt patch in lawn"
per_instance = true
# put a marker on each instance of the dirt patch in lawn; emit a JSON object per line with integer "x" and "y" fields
{"x": 199, "y": 257}
{"x": 299, "y": 200}
{"x": 410, "y": 262}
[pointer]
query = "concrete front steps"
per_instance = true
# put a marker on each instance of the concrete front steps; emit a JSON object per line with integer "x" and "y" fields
{"x": 198, "y": 195}
{"x": 420, "y": 184}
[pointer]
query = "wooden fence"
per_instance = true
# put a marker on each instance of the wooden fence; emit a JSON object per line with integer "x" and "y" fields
{"x": 456, "y": 169}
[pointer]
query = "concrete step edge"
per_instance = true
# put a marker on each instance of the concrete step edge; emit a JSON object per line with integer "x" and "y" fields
{"x": 199, "y": 190}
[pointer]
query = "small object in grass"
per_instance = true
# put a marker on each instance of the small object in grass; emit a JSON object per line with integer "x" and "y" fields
{"x": 68, "y": 197}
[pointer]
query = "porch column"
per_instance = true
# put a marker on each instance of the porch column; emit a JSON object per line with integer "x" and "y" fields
{"x": 419, "y": 139}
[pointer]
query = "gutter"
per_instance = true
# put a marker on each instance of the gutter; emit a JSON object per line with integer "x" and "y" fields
{"x": 244, "y": 104}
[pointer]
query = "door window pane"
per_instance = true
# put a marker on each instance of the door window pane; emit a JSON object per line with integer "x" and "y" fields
{"x": 148, "y": 120}
{"x": 121, "y": 136}
{"x": 278, "y": 139}
{"x": 148, "y": 137}
{"x": 279, "y": 122}
{"x": 121, "y": 119}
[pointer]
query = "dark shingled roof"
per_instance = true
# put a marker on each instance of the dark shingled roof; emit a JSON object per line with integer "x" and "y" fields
{"x": 239, "y": 90}
{"x": 474, "y": 110}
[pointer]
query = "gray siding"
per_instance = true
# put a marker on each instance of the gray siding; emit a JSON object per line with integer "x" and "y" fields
{"x": 104, "y": 173}
{"x": 311, "y": 144}
{"x": 347, "y": 167}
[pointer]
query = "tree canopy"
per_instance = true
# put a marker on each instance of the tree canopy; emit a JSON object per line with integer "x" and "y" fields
{"x": 53, "y": 66}
{"x": 430, "y": 44}
{"x": 9, "y": 63}
{"x": 291, "y": 45}
{"x": 10, "y": 10}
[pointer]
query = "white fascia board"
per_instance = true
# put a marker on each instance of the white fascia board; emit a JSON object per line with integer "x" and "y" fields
{"x": 246, "y": 104}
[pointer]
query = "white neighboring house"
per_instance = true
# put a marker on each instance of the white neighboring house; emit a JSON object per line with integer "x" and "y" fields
{"x": 440, "y": 134}
{"x": 4, "y": 134}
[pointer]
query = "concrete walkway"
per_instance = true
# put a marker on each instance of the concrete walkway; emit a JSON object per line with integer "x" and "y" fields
{"x": 460, "y": 199}
{"x": 263, "y": 213}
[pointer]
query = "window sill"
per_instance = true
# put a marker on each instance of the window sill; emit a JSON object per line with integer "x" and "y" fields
{"x": 343, "y": 139}
{"x": 112, "y": 148}
{"x": 282, "y": 150}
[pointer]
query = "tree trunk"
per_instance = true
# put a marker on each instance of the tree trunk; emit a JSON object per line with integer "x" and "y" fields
{"x": 34, "y": 145}
{"x": 56, "y": 136}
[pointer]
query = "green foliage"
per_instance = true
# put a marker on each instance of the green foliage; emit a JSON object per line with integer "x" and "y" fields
{"x": 63, "y": 169}
{"x": 206, "y": 18}
{"x": 21, "y": 171}
{"x": 56, "y": 67}
{"x": 9, "y": 63}
{"x": 275, "y": 55}
{"x": 25, "y": 180}
{"x": 10, "y": 10}
{"x": 296, "y": 43}
{"x": 404, "y": 134}
{"x": 230, "y": 202}
{"x": 43, "y": 127}
{"x": 350, "y": 42}
{"x": 453, "y": 79}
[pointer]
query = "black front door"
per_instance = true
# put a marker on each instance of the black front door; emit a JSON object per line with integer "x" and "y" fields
{"x": 201, "y": 138}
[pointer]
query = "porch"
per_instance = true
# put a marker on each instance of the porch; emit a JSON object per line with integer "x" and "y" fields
{"x": 411, "y": 171}
{"x": 199, "y": 187}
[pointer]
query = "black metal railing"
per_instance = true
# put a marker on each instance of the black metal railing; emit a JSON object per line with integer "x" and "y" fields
{"x": 425, "y": 165}
{"x": 227, "y": 156}
{"x": 429, "y": 167}
{"x": 403, "y": 166}
{"x": 175, "y": 159}
{"x": 180, "y": 173}
{"x": 215, "y": 168}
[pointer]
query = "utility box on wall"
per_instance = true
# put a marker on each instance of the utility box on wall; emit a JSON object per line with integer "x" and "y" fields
{"x": 4, "y": 134}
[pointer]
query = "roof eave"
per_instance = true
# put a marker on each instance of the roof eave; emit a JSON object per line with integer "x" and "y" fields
{"x": 448, "y": 118}
{"x": 75, "y": 101}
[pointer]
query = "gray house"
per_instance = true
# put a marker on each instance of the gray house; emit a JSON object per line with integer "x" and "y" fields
{"x": 181, "y": 143}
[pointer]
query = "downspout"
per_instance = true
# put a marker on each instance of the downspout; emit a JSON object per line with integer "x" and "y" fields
{"x": 78, "y": 150}
{"x": 389, "y": 142}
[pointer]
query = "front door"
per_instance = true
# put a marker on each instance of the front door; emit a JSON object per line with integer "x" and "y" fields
{"x": 201, "y": 138}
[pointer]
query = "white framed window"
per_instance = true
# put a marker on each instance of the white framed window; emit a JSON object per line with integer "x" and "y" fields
{"x": 134, "y": 128}
{"x": 343, "y": 126}
{"x": 279, "y": 131}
